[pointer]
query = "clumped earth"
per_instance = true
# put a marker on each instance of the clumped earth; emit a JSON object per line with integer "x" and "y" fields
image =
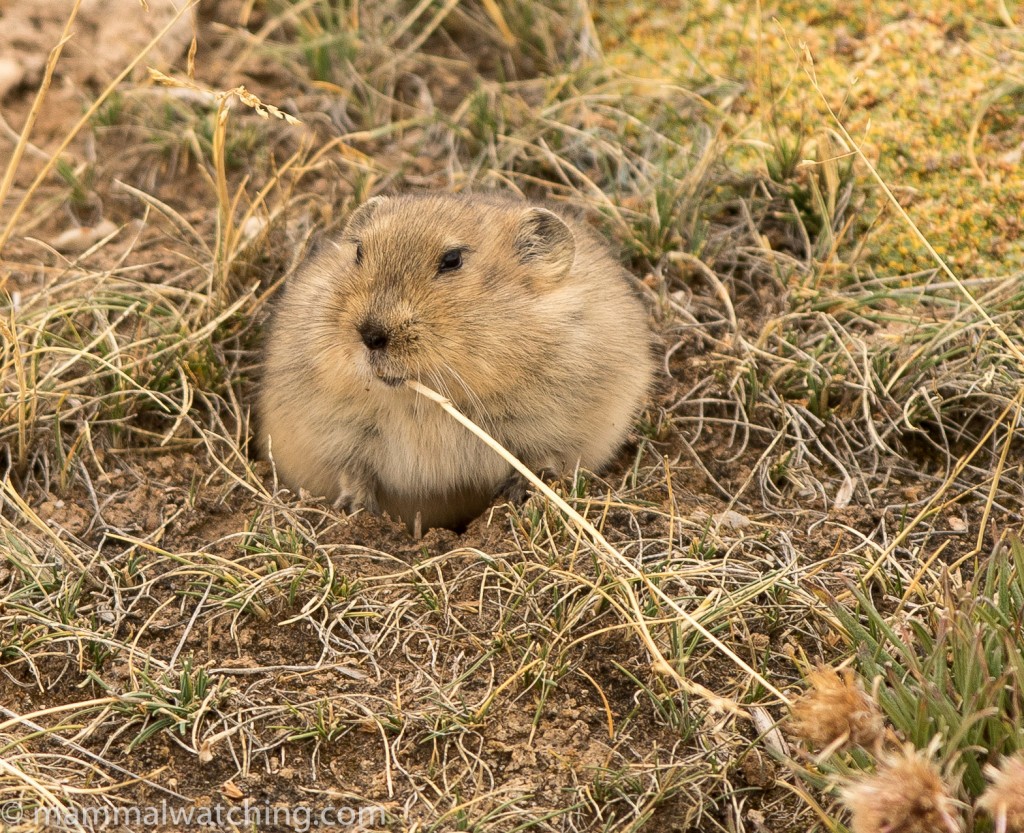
{"x": 831, "y": 445}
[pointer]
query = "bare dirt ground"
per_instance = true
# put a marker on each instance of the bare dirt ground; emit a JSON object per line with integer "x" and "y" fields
{"x": 175, "y": 627}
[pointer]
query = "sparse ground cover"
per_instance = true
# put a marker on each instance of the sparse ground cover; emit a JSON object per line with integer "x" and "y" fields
{"x": 930, "y": 92}
{"x": 828, "y": 471}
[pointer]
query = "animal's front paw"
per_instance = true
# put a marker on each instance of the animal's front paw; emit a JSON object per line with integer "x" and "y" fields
{"x": 350, "y": 504}
{"x": 354, "y": 494}
{"x": 515, "y": 488}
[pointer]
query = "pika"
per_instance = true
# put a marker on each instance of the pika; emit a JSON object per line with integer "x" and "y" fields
{"x": 518, "y": 314}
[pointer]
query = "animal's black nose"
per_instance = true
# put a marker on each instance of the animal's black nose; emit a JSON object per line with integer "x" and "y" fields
{"x": 374, "y": 335}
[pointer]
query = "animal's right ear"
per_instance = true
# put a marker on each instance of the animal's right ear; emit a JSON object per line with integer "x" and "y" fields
{"x": 362, "y": 216}
{"x": 545, "y": 241}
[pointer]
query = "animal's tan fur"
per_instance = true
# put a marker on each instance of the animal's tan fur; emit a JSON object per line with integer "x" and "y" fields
{"x": 537, "y": 337}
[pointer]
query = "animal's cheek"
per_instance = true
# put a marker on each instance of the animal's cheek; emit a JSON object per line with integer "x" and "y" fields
{"x": 409, "y": 346}
{"x": 335, "y": 361}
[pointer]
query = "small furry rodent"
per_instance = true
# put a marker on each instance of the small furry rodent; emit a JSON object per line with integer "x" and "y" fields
{"x": 517, "y": 314}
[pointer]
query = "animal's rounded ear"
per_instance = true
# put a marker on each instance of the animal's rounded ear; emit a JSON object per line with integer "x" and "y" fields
{"x": 314, "y": 245}
{"x": 362, "y": 216}
{"x": 544, "y": 240}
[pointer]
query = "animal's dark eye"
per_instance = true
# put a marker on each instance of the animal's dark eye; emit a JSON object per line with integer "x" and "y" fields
{"x": 450, "y": 260}
{"x": 359, "y": 253}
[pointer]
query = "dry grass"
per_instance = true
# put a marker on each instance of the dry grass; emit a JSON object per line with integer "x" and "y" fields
{"x": 832, "y": 446}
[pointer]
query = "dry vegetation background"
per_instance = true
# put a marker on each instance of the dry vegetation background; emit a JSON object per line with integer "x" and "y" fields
{"x": 820, "y": 202}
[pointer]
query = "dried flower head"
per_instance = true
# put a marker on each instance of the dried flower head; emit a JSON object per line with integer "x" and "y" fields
{"x": 1004, "y": 798}
{"x": 247, "y": 98}
{"x": 836, "y": 711}
{"x": 906, "y": 795}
